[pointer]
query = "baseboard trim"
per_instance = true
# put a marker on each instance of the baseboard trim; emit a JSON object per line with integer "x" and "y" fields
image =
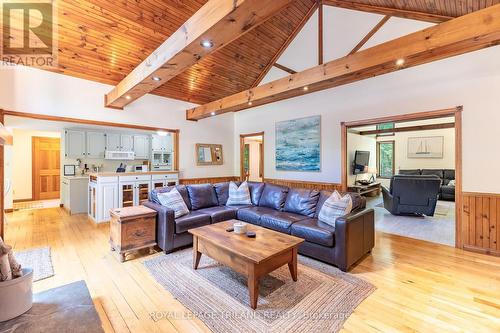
{"x": 9, "y": 210}
{"x": 481, "y": 250}
{"x": 22, "y": 200}
{"x": 205, "y": 180}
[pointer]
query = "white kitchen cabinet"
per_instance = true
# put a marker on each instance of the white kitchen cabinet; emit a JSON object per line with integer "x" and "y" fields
{"x": 162, "y": 180}
{"x": 141, "y": 147}
{"x": 103, "y": 196}
{"x": 162, "y": 142}
{"x": 74, "y": 143}
{"x": 74, "y": 194}
{"x": 127, "y": 142}
{"x": 108, "y": 198}
{"x": 96, "y": 144}
{"x": 113, "y": 142}
{"x": 134, "y": 190}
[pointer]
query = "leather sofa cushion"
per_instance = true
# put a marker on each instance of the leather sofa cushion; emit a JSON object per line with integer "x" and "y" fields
{"x": 190, "y": 221}
{"x": 280, "y": 221}
{"x": 202, "y": 196}
{"x": 437, "y": 172}
{"x": 255, "y": 189}
{"x": 273, "y": 196}
{"x": 301, "y": 201}
{"x": 222, "y": 191}
{"x": 358, "y": 201}
{"x": 314, "y": 231}
{"x": 448, "y": 174}
{"x": 410, "y": 172}
{"x": 253, "y": 214}
{"x": 181, "y": 188}
{"x": 448, "y": 189}
{"x": 219, "y": 213}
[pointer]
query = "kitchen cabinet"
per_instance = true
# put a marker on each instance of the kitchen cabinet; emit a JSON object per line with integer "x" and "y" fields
{"x": 127, "y": 142}
{"x": 96, "y": 144}
{"x": 162, "y": 142}
{"x": 113, "y": 142}
{"x": 141, "y": 147}
{"x": 74, "y": 143}
{"x": 103, "y": 196}
{"x": 134, "y": 190}
{"x": 162, "y": 180}
{"x": 74, "y": 194}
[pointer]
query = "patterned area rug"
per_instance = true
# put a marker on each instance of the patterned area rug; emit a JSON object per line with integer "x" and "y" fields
{"x": 67, "y": 308}
{"x": 320, "y": 301}
{"x": 38, "y": 259}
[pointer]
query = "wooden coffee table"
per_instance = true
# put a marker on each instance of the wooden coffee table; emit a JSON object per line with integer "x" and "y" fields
{"x": 252, "y": 257}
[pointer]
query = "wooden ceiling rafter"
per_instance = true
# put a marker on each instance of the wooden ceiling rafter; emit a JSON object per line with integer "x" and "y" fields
{"x": 382, "y": 10}
{"x": 320, "y": 32}
{"x": 284, "y": 68}
{"x": 218, "y": 23}
{"x": 464, "y": 34}
{"x": 370, "y": 34}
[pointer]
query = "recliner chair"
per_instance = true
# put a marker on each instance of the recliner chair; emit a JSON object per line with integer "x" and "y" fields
{"x": 412, "y": 194}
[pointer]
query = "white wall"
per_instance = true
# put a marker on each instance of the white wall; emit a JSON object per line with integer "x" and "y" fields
{"x": 21, "y": 166}
{"x": 37, "y": 91}
{"x": 471, "y": 80}
{"x": 360, "y": 142}
{"x": 254, "y": 160}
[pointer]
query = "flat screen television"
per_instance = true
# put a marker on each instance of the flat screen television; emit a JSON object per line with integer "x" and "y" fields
{"x": 361, "y": 160}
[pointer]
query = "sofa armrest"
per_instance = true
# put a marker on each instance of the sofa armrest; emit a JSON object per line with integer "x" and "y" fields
{"x": 165, "y": 226}
{"x": 354, "y": 237}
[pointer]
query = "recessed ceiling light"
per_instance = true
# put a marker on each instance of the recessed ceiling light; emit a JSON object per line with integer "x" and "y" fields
{"x": 306, "y": 88}
{"x": 400, "y": 62}
{"x": 128, "y": 97}
{"x": 212, "y": 113}
{"x": 207, "y": 43}
{"x": 250, "y": 103}
{"x": 156, "y": 78}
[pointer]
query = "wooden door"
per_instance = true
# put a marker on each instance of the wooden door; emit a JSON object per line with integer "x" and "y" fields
{"x": 46, "y": 163}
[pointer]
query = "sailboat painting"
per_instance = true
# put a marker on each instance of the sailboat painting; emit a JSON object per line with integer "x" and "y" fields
{"x": 298, "y": 144}
{"x": 426, "y": 147}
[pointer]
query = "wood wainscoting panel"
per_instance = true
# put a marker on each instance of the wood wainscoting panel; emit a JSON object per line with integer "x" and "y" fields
{"x": 211, "y": 180}
{"x": 305, "y": 184}
{"x": 481, "y": 222}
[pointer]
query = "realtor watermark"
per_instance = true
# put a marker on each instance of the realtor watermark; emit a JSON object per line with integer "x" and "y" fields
{"x": 29, "y": 33}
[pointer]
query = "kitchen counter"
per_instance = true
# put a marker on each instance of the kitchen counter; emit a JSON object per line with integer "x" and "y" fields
{"x": 118, "y": 174}
{"x": 77, "y": 177}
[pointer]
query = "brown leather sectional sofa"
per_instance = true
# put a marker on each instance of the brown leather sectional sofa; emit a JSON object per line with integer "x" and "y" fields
{"x": 289, "y": 210}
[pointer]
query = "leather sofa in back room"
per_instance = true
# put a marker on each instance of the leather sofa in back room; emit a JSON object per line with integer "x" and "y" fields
{"x": 288, "y": 210}
{"x": 446, "y": 192}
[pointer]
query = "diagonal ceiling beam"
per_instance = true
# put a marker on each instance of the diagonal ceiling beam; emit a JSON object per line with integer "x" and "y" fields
{"x": 370, "y": 34}
{"x": 217, "y": 23}
{"x": 409, "y": 14}
{"x": 464, "y": 34}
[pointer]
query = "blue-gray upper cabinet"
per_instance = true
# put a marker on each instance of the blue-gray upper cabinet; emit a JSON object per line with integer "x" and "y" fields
{"x": 96, "y": 144}
{"x": 141, "y": 147}
{"x": 113, "y": 141}
{"x": 75, "y": 143}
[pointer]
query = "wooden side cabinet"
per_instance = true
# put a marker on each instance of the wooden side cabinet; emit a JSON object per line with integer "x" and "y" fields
{"x": 131, "y": 229}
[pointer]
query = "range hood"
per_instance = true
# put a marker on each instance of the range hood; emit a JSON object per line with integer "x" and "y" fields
{"x": 119, "y": 155}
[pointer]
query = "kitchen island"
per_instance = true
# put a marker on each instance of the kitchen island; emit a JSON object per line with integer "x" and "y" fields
{"x": 110, "y": 190}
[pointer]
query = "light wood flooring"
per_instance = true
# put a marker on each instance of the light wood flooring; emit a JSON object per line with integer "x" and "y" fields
{"x": 421, "y": 287}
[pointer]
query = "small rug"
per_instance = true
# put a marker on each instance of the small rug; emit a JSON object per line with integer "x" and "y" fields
{"x": 320, "y": 301}
{"x": 38, "y": 259}
{"x": 68, "y": 308}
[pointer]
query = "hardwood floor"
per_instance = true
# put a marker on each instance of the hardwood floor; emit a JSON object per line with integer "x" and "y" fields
{"x": 421, "y": 287}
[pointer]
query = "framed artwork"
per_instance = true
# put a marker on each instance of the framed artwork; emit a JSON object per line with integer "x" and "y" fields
{"x": 426, "y": 147}
{"x": 209, "y": 154}
{"x": 298, "y": 144}
{"x": 69, "y": 170}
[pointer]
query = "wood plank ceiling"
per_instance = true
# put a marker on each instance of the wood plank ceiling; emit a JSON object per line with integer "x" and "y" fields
{"x": 104, "y": 40}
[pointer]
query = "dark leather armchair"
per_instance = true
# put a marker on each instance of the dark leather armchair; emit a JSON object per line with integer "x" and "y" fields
{"x": 412, "y": 194}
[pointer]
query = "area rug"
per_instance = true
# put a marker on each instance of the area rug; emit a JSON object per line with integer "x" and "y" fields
{"x": 68, "y": 308}
{"x": 320, "y": 301}
{"x": 39, "y": 259}
{"x": 442, "y": 209}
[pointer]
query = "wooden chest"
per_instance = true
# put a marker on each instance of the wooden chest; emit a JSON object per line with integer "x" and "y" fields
{"x": 132, "y": 228}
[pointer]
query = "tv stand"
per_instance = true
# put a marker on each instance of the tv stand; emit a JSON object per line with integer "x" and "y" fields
{"x": 371, "y": 190}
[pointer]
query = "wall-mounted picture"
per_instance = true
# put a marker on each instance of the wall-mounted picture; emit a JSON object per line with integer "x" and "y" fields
{"x": 209, "y": 154}
{"x": 298, "y": 144}
{"x": 426, "y": 147}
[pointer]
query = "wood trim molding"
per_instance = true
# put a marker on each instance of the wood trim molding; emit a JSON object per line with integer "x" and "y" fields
{"x": 2, "y": 180}
{"x": 22, "y": 200}
{"x": 320, "y": 186}
{"x": 409, "y": 129}
{"x": 86, "y": 121}
{"x": 284, "y": 68}
{"x": 242, "y": 151}
{"x": 210, "y": 180}
{"x": 408, "y": 14}
{"x": 320, "y": 32}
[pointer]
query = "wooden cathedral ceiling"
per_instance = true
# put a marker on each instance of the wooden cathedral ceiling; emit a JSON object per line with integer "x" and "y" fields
{"x": 104, "y": 40}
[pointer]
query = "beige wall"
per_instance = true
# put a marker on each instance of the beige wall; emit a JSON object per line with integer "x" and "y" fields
{"x": 21, "y": 162}
{"x": 360, "y": 142}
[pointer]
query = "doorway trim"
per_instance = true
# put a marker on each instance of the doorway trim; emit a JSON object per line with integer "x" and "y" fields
{"x": 242, "y": 151}
{"x": 455, "y": 112}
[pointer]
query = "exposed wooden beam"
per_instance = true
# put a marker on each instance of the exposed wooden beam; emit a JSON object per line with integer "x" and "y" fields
{"x": 409, "y": 14}
{"x": 320, "y": 32}
{"x": 282, "y": 49}
{"x": 217, "y": 23}
{"x": 284, "y": 68}
{"x": 408, "y": 129}
{"x": 463, "y": 34}
{"x": 370, "y": 34}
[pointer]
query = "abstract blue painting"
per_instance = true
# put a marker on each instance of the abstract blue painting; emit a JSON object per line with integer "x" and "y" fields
{"x": 298, "y": 144}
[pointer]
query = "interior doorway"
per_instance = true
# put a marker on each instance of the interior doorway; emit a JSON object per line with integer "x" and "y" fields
{"x": 46, "y": 168}
{"x": 252, "y": 157}
{"x": 387, "y": 166}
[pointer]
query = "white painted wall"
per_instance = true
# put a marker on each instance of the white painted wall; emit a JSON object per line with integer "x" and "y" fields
{"x": 360, "y": 142}
{"x": 471, "y": 80}
{"x": 37, "y": 91}
{"x": 254, "y": 160}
